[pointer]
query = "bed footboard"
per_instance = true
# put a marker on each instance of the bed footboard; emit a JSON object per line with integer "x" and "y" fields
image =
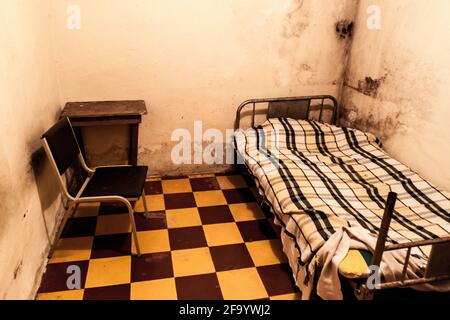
{"x": 438, "y": 267}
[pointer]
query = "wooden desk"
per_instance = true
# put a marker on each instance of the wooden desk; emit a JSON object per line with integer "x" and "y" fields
{"x": 104, "y": 113}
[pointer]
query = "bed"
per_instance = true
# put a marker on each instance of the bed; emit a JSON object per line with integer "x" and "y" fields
{"x": 345, "y": 207}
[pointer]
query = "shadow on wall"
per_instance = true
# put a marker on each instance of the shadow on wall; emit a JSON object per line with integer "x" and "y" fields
{"x": 46, "y": 185}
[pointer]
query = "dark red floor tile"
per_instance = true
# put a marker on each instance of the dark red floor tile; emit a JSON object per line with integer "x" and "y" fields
{"x": 187, "y": 238}
{"x": 238, "y": 195}
{"x": 179, "y": 200}
{"x": 249, "y": 180}
{"x": 79, "y": 227}
{"x": 109, "y": 208}
{"x": 119, "y": 292}
{"x": 216, "y": 214}
{"x": 256, "y": 230}
{"x": 150, "y": 221}
{"x": 231, "y": 257}
{"x": 201, "y": 287}
{"x": 174, "y": 177}
{"x": 277, "y": 279}
{"x": 153, "y": 187}
{"x": 108, "y": 246}
{"x": 204, "y": 184}
{"x": 56, "y": 276}
{"x": 151, "y": 267}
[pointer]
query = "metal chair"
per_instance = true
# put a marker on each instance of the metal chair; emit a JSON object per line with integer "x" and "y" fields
{"x": 103, "y": 184}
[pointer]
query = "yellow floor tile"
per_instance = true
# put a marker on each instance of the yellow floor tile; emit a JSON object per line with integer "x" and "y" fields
{"x": 246, "y": 211}
{"x": 72, "y": 249}
{"x": 62, "y": 295}
{"x": 242, "y": 284}
{"x": 176, "y": 186}
{"x": 108, "y": 272}
{"x": 266, "y": 252}
{"x": 210, "y": 198}
{"x": 87, "y": 210}
{"x": 180, "y": 218}
{"x": 112, "y": 224}
{"x": 154, "y": 203}
{"x": 231, "y": 182}
{"x": 289, "y": 297}
{"x": 192, "y": 262}
{"x": 222, "y": 234}
{"x": 163, "y": 289}
{"x": 152, "y": 241}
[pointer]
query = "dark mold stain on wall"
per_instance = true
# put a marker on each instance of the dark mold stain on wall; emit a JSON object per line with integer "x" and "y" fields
{"x": 383, "y": 128}
{"x": 344, "y": 29}
{"x": 368, "y": 86}
{"x": 43, "y": 176}
{"x": 37, "y": 161}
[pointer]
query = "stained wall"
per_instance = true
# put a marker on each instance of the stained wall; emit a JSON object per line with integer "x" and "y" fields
{"x": 398, "y": 81}
{"x": 195, "y": 60}
{"x": 30, "y": 208}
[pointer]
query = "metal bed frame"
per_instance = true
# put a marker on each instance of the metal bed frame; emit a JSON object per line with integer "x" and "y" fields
{"x": 288, "y": 107}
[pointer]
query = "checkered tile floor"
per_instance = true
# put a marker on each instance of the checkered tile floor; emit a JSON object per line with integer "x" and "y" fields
{"x": 204, "y": 238}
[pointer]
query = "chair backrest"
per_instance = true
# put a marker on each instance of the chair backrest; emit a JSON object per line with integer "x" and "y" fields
{"x": 63, "y": 144}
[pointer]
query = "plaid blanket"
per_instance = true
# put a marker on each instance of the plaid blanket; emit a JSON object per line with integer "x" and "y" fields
{"x": 321, "y": 179}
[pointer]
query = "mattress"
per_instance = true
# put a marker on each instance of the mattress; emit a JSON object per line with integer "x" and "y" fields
{"x": 327, "y": 186}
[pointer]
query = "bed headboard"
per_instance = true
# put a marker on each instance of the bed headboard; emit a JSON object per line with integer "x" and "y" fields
{"x": 306, "y": 107}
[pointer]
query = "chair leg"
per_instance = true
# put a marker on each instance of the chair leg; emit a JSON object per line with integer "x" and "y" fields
{"x": 133, "y": 226}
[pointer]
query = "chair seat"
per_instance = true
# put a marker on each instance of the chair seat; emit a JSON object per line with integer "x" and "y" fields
{"x": 127, "y": 182}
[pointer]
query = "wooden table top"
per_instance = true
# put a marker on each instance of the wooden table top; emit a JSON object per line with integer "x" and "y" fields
{"x": 97, "y": 109}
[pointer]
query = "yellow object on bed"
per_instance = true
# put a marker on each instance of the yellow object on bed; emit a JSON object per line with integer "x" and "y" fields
{"x": 356, "y": 264}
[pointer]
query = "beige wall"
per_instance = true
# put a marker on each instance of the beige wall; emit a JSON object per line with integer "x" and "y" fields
{"x": 409, "y": 59}
{"x": 196, "y": 60}
{"x": 29, "y": 203}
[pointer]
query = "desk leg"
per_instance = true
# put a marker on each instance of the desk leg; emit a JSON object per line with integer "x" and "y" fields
{"x": 134, "y": 135}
